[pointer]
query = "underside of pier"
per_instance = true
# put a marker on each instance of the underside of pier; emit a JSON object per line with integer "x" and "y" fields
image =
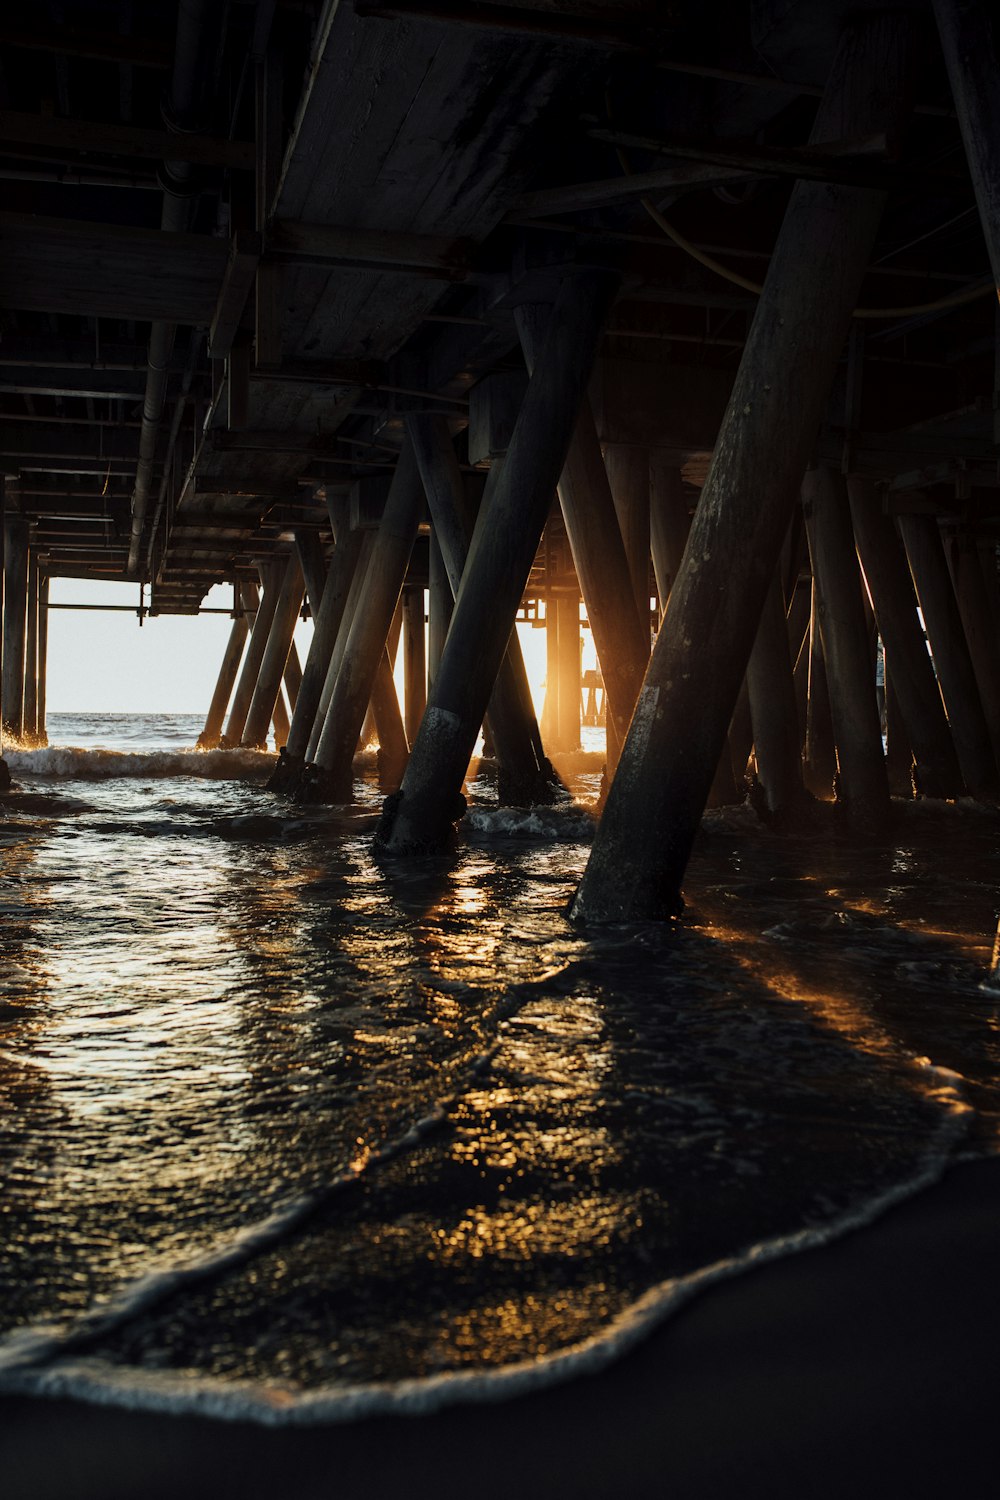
{"x": 673, "y": 322}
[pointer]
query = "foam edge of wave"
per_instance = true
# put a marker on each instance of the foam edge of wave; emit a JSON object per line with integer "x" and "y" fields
{"x": 134, "y": 1389}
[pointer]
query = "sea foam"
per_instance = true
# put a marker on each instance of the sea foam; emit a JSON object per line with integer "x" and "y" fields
{"x": 98, "y": 764}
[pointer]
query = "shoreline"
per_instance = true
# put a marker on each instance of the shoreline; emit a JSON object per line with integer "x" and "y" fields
{"x": 867, "y": 1365}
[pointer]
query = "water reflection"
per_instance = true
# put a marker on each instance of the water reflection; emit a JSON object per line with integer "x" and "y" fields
{"x": 241, "y": 1007}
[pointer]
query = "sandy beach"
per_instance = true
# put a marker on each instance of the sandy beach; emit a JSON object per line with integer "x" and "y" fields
{"x": 865, "y": 1368}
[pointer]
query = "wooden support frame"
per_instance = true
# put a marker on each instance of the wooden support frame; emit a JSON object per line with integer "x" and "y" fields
{"x": 503, "y": 547}
{"x": 97, "y": 138}
{"x": 801, "y": 323}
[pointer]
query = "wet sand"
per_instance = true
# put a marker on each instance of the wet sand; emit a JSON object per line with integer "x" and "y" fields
{"x": 870, "y": 1367}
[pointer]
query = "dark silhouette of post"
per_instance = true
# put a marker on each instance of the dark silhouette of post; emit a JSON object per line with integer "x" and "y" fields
{"x": 669, "y": 523}
{"x": 365, "y": 644}
{"x": 968, "y": 39}
{"x": 212, "y": 732}
{"x": 15, "y": 615}
{"x": 524, "y": 775}
{"x": 628, "y": 476}
{"x": 42, "y": 733}
{"x": 29, "y": 731}
{"x": 326, "y": 625}
{"x": 655, "y": 803}
{"x": 250, "y": 670}
{"x": 439, "y": 605}
{"x": 355, "y": 591}
{"x": 910, "y": 679}
{"x": 414, "y": 660}
{"x": 503, "y": 548}
{"x": 929, "y": 569}
{"x": 272, "y": 666}
{"x": 620, "y": 630}
{"x": 862, "y": 783}
{"x": 773, "y": 712}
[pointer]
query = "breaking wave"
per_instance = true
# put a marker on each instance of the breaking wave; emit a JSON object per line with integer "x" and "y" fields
{"x": 94, "y": 764}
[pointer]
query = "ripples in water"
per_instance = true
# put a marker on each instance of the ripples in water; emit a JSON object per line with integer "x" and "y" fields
{"x": 289, "y": 1133}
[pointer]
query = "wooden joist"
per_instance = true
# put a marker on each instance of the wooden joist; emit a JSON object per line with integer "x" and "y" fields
{"x": 852, "y": 164}
{"x": 609, "y": 29}
{"x": 30, "y": 441}
{"x": 49, "y": 133}
{"x": 101, "y": 46}
{"x": 118, "y": 271}
{"x": 237, "y": 284}
{"x": 438, "y": 256}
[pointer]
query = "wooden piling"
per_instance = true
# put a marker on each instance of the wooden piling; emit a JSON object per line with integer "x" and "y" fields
{"x": 968, "y": 41}
{"x": 414, "y": 660}
{"x": 799, "y": 328}
{"x": 272, "y": 666}
{"x": 29, "y": 732}
{"x": 15, "y": 614}
{"x": 524, "y": 775}
{"x": 952, "y": 662}
{"x": 42, "y": 733}
{"x": 212, "y": 732}
{"x": 773, "y": 712}
{"x": 439, "y": 607}
{"x": 355, "y": 593}
{"x": 386, "y": 716}
{"x": 862, "y": 783}
{"x": 669, "y": 523}
{"x": 503, "y": 547}
{"x": 900, "y": 765}
{"x": 628, "y": 475}
{"x": 620, "y": 630}
{"x": 565, "y": 609}
{"x": 326, "y": 625}
{"x": 820, "y": 761}
{"x": 250, "y": 671}
{"x": 365, "y": 645}
{"x": 977, "y": 622}
{"x": 313, "y": 565}
{"x": 909, "y": 675}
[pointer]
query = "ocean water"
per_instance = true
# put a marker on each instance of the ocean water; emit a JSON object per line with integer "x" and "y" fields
{"x": 291, "y": 1135}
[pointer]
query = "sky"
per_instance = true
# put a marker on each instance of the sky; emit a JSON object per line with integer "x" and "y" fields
{"x": 108, "y": 663}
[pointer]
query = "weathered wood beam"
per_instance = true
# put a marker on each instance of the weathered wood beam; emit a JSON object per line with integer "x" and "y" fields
{"x": 96, "y": 137}
{"x": 841, "y": 162}
{"x": 621, "y": 632}
{"x": 914, "y": 685}
{"x": 862, "y": 783}
{"x": 141, "y": 52}
{"x": 512, "y": 731}
{"x": 245, "y": 688}
{"x": 773, "y": 711}
{"x": 679, "y": 728}
{"x": 237, "y": 284}
{"x": 365, "y": 643}
{"x": 279, "y": 639}
{"x": 503, "y": 549}
{"x": 212, "y": 732}
{"x": 608, "y": 29}
{"x": 119, "y": 271}
{"x": 32, "y": 441}
{"x": 328, "y": 619}
{"x": 287, "y": 240}
{"x": 574, "y": 197}
{"x": 952, "y": 662}
{"x": 969, "y": 44}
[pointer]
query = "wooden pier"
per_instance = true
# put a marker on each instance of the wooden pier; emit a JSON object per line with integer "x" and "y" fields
{"x": 679, "y": 322}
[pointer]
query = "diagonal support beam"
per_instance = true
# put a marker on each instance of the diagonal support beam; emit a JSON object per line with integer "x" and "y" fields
{"x": 679, "y": 727}
{"x": 503, "y": 548}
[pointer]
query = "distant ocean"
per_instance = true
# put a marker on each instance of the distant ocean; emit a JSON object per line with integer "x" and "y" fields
{"x": 291, "y": 1135}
